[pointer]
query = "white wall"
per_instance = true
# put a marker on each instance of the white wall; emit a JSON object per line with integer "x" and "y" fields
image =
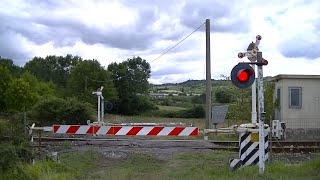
{"x": 309, "y": 114}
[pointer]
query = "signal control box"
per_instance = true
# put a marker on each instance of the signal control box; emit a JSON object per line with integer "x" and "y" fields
{"x": 278, "y": 129}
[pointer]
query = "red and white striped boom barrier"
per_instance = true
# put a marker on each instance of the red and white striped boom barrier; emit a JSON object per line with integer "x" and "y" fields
{"x": 126, "y": 130}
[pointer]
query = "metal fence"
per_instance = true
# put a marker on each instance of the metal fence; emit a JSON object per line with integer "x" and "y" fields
{"x": 302, "y": 128}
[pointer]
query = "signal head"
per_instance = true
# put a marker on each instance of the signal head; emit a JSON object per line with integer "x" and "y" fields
{"x": 242, "y": 75}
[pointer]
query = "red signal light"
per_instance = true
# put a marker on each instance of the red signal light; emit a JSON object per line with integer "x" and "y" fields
{"x": 243, "y": 76}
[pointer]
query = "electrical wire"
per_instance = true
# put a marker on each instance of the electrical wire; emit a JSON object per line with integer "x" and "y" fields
{"x": 177, "y": 43}
{"x": 164, "y": 52}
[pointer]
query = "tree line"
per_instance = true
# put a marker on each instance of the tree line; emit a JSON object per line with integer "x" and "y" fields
{"x": 45, "y": 85}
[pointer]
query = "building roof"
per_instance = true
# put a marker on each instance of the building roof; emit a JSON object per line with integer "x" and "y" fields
{"x": 294, "y": 76}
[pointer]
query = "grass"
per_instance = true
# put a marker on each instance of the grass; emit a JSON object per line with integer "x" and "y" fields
{"x": 208, "y": 165}
{"x": 171, "y": 108}
{"x": 74, "y": 165}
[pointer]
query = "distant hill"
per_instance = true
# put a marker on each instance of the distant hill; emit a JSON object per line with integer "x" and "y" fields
{"x": 189, "y": 86}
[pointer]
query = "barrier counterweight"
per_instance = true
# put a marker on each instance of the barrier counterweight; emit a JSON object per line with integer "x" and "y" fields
{"x": 249, "y": 150}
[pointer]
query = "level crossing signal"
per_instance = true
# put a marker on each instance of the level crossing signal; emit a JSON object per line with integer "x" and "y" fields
{"x": 242, "y": 75}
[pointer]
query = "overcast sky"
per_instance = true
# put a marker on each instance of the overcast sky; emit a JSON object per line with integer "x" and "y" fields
{"x": 113, "y": 31}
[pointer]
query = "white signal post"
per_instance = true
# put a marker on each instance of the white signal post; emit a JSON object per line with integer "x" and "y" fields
{"x": 254, "y": 99}
{"x": 253, "y": 87}
{"x": 100, "y": 112}
{"x": 261, "y": 116}
{"x": 254, "y": 54}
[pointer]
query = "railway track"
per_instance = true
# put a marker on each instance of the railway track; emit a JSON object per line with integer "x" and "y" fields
{"x": 277, "y": 146}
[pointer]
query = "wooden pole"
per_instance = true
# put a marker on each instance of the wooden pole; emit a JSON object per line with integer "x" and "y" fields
{"x": 208, "y": 123}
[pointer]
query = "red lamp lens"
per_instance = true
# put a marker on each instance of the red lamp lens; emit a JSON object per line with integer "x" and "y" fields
{"x": 243, "y": 76}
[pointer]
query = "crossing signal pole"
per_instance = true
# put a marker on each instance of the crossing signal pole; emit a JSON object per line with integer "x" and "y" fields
{"x": 261, "y": 116}
{"x": 243, "y": 76}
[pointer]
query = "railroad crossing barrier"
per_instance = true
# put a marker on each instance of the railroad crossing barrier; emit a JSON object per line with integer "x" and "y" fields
{"x": 118, "y": 130}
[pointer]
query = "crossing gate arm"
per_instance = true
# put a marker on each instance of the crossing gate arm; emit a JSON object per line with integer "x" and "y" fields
{"x": 126, "y": 130}
{"x": 46, "y": 128}
{"x": 228, "y": 130}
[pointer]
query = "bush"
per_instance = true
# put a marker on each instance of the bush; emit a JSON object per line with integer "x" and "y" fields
{"x": 14, "y": 148}
{"x": 134, "y": 105}
{"x": 199, "y": 99}
{"x": 195, "y": 112}
{"x": 223, "y": 96}
{"x": 167, "y": 102}
{"x": 62, "y": 111}
{"x": 239, "y": 111}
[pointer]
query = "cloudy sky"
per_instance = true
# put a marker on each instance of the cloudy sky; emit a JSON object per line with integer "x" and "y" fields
{"x": 112, "y": 31}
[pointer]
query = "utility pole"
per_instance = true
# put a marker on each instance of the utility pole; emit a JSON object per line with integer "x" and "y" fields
{"x": 208, "y": 123}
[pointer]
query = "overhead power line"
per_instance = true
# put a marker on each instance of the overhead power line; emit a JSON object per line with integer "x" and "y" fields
{"x": 158, "y": 56}
{"x": 178, "y": 43}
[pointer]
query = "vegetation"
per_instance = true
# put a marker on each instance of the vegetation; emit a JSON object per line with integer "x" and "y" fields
{"x": 130, "y": 78}
{"x": 14, "y": 148}
{"x": 206, "y": 165}
{"x": 53, "y": 110}
{"x": 58, "y": 90}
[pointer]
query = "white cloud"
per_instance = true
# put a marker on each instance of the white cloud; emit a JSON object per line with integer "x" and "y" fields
{"x": 112, "y": 31}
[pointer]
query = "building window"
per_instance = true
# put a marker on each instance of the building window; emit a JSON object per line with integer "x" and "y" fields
{"x": 295, "y": 97}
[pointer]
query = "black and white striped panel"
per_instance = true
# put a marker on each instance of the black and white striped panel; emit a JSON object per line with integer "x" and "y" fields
{"x": 235, "y": 164}
{"x": 249, "y": 150}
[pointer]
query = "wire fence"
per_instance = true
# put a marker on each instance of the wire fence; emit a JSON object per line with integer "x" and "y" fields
{"x": 302, "y": 128}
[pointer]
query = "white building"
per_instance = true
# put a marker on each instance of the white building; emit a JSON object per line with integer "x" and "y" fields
{"x": 298, "y": 101}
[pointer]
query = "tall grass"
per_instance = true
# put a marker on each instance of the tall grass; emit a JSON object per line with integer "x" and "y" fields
{"x": 205, "y": 165}
{"x": 73, "y": 165}
{"x": 212, "y": 165}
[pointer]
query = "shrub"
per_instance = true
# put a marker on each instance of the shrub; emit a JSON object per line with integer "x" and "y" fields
{"x": 62, "y": 111}
{"x": 223, "y": 96}
{"x": 135, "y": 104}
{"x": 194, "y": 112}
{"x": 14, "y": 148}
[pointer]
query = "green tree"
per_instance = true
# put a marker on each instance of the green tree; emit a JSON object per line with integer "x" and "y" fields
{"x": 53, "y": 68}
{"x": 5, "y": 80}
{"x": 130, "y": 77}
{"x": 19, "y": 94}
{"x": 13, "y": 69}
{"x": 269, "y": 105}
{"x": 240, "y": 109}
{"x": 41, "y": 88}
{"x": 87, "y": 77}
